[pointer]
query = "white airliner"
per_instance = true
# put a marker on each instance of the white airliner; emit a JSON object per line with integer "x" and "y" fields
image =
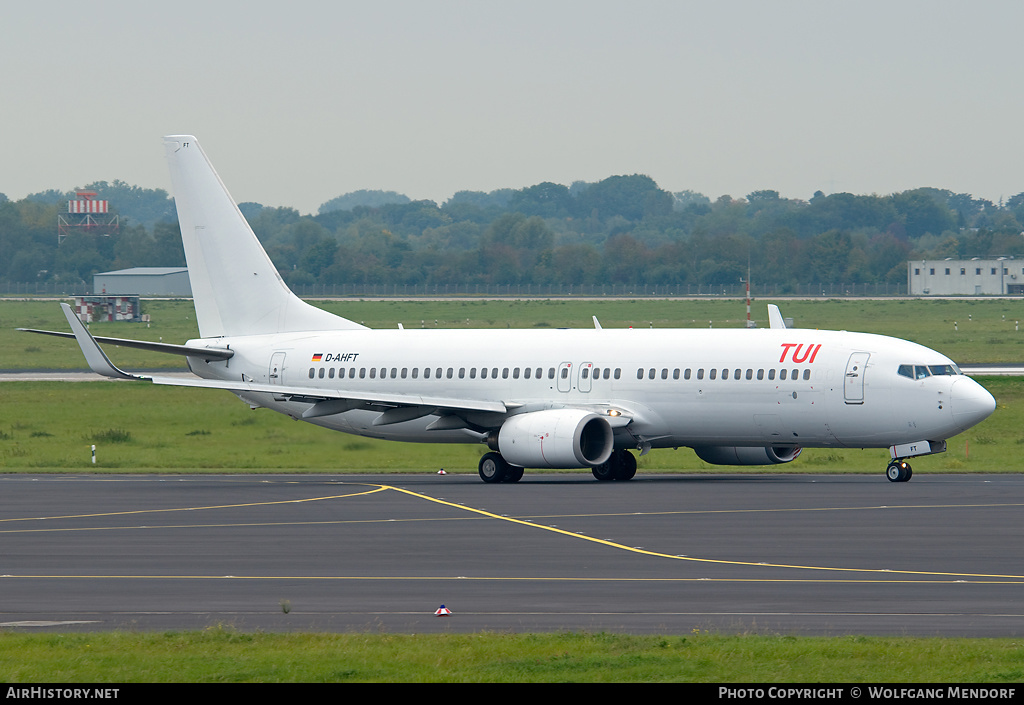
{"x": 543, "y": 398}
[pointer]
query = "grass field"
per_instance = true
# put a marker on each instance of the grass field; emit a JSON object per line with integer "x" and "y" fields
{"x": 226, "y": 656}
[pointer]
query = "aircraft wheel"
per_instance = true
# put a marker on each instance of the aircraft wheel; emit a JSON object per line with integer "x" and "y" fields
{"x": 493, "y": 468}
{"x": 626, "y": 465}
{"x": 898, "y": 471}
{"x": 514, "y": 474}
{"x": 606, "y": 470}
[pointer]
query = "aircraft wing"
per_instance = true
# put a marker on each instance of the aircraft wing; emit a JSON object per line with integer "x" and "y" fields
{"x": 326, "y": 401}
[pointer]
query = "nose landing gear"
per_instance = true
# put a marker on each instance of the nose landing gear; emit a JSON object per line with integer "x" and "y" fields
{"x": 899, "y": 471}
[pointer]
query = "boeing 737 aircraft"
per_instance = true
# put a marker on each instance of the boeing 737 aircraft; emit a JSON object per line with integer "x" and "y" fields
{"x": 542, "y": 398}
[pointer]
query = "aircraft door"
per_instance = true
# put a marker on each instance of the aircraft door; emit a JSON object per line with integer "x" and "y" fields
{"x": 276, "y": 368}
{"x": 564, "y": 377}
{"x": 853, "y": 386}
{"x": 586, "y": 373}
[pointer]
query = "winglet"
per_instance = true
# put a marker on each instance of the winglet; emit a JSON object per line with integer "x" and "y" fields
{"x": 97, "y": 359}
{"x": 597, "y": 323}
{"x": 775, "y": 317}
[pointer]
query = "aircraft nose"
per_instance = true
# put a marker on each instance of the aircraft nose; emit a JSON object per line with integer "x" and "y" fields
{"x": 971, "y": 403}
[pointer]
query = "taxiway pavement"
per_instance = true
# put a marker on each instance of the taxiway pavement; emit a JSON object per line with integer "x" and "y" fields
{"x": 793, "y": 554}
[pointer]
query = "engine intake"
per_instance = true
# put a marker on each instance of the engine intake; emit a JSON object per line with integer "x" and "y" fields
{"x": 556, "y": 438}
{"x": 738, "y": 455}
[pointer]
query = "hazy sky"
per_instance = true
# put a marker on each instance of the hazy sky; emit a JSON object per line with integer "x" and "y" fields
{"x": 298, "y": 102}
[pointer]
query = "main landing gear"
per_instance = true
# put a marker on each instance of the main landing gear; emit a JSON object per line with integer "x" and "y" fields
{"x": 620, "y": 466}
{"x": 899, "y": 471}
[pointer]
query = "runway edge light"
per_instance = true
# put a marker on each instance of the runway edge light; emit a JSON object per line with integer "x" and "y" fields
{"x": 442, "y": 611}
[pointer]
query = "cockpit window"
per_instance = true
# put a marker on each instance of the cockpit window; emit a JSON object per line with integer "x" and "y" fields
{"x": 923, "y": 371}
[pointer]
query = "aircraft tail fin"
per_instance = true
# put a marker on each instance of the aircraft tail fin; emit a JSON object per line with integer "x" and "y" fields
{"x": 235, "y": 287}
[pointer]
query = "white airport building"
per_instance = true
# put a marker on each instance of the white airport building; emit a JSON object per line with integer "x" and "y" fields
{"x": 144, "y": 281}
{"x": 957, "y": 277}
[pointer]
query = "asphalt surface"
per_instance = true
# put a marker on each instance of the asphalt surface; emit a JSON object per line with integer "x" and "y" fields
{"x": 792, "y": 554}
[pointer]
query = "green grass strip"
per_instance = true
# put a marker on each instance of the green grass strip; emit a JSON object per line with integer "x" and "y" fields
{"x": 224, "y": 655}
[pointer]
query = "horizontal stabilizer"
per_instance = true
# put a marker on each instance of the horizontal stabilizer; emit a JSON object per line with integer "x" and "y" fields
{"x": 205, "y": 353}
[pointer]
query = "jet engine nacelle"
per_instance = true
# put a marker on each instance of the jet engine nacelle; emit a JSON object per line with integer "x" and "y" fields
{"x": 736, "y": 455}
{"x": 556, "y": 438}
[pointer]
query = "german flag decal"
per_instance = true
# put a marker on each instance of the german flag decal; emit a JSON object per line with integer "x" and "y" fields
{"x": 317, "y": 356}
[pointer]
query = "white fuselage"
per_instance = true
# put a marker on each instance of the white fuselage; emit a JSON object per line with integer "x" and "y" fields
{"x": 678, "y": 387}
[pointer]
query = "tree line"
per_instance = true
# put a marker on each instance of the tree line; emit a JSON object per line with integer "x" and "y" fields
{"x": 623, "y": 230}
